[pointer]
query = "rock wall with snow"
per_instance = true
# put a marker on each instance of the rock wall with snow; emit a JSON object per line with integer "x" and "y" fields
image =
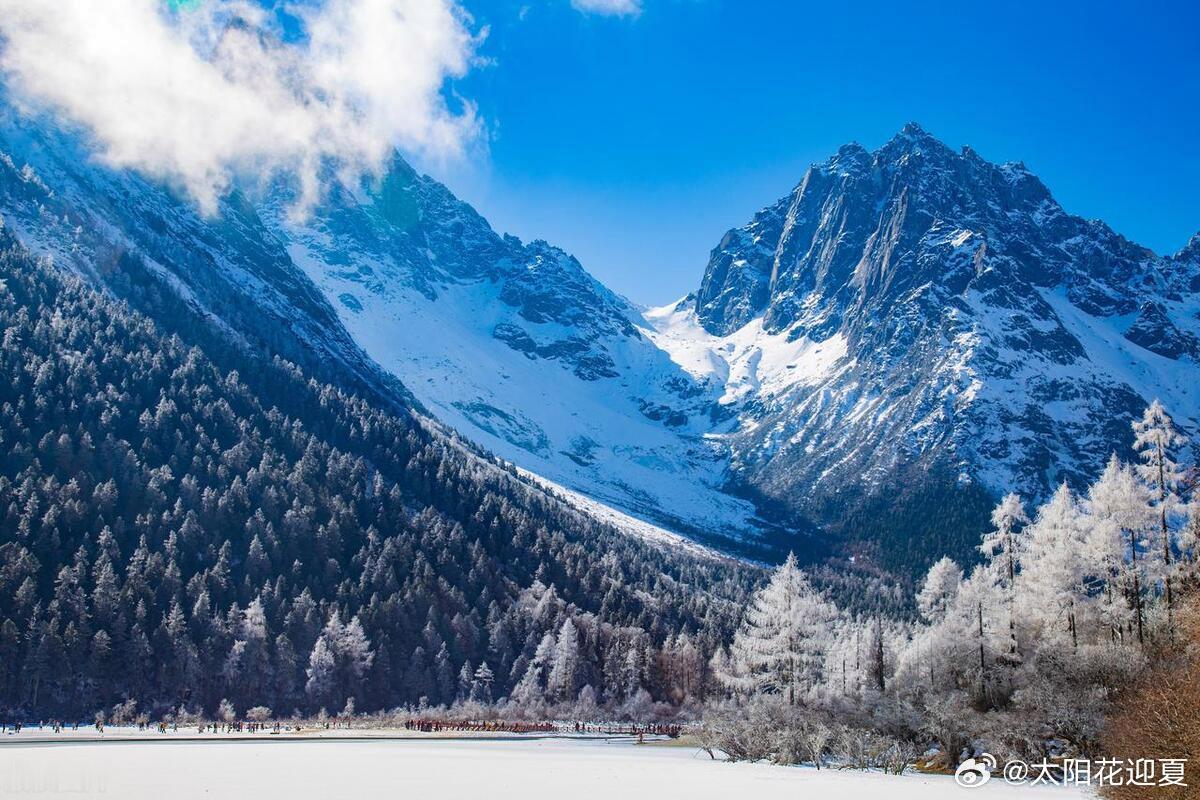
{"x": 908, "y": 333}
{"x": 921, "y": 306}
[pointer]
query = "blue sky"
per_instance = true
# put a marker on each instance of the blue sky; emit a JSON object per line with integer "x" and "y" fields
{"x": 635, "y": 141}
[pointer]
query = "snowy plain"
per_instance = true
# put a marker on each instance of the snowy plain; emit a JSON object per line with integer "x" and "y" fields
{"x": 582, "y": 769}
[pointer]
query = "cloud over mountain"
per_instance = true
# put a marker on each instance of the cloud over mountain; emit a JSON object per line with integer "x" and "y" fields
{"x": 195, "y": 93}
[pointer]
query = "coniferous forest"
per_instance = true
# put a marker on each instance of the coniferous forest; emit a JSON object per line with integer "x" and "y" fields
{"x": 181, "y": 528}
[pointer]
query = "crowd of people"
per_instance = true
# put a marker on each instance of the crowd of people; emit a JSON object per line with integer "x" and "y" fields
{"x": 415, "y": 724}
{"x": 241, "y": 727}
{"x": 490, "y": 726}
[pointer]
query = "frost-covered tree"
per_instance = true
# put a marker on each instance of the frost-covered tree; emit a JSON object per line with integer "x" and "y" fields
{"x": 466, "y": 677}
{"x": 1054, "y": 569}
{"x": 531, "y": 689}
{"x": 1001, "y": 547}
{"x": 179, "y": 518}
{"x": 970, "y": 639}
{"x": 1156, "y": 440}
{"x": 781, "y": 644}
{"x": 1119, "y": 515}
{"x": 481, "y": 684}
{"x": 339, "y": 660}
{"x": 565, "y": 665}
{"x": 322, "y": 668}
{"x": 939, "y": 589}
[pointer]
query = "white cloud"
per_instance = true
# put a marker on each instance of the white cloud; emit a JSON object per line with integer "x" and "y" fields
{"x": 210, "y": 90}
{"x": 612, "y": 8}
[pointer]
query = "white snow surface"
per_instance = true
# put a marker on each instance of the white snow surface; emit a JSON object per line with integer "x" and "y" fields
{"x": 363, "y": 770}
{"x": 750, "y": 362}
{"x": 630, "y": 525}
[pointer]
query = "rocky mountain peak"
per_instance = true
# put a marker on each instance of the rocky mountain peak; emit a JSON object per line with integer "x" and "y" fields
{"x": 887, "y": 221}
{"x": 1191, "y": 250}
{"x": 988, "y": 335}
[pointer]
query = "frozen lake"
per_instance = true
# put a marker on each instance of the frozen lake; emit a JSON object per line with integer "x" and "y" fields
{"x": 446, "y": 768}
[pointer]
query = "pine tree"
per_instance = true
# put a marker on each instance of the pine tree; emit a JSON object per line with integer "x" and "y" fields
{"x": 1155, "y": 439}
{"x": 322, "y": 670}
{"x": 531, "y": 689}
{"x": 466, "y": 678}
{"x": 481, "y": 684}
{"x": 563, "y": 680}
{"x": 180, "y": 519}
{"x": 780, "y": 645}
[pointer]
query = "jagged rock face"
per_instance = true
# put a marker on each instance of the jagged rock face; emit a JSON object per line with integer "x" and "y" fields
{"x": 905, "y": 316}
{"x": 985, "y": 330}
{"x": 404, "y": 231}
{"x": 516, "y": 346}
{"x": 864, "y": 228}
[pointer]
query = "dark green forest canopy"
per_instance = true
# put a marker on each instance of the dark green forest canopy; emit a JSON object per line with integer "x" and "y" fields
{"x": 181, "y": 524}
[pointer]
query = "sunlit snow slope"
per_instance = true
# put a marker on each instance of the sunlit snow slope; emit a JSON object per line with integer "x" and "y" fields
{"x": 517, "y": 347}
{"x": 907, "y": 334}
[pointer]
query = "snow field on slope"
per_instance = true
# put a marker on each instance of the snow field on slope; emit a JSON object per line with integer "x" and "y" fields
{"x": 749, "y": 362}
{"x": 535, "y": 412}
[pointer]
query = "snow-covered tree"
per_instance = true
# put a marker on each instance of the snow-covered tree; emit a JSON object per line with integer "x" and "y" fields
{"x": 466, "y": 678}
{"x": 961, "y": 649}
{"x": 339, "y": 660}
{"x": 781, "y": 643}
{"x": 481, "y": 684}
{"x": 565, "y": 665}
{"x": 1001, "y": 546}
{"x": 1155, "y": 440}
{"x": 322, "y": 665}
{"x": 939, "y": 588}
{"x": 1120, "y": 513}
{"x": 531, "y": 689}
{"x": 1054, "y": 568}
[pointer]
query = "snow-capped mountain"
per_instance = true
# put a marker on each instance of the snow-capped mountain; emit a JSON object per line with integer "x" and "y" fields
{"x": 515, "y": 345}
{"x": 917, "y": 307}
{"x": 114, "y": 226}
{"x": 512, "y": 344}
{"x": 907, "y": 334}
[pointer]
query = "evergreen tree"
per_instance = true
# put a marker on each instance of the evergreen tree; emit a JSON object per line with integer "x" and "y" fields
{"x": 481, "y": 684}
{"x": 563, "y": 680}
{"x": 780, "y": 645}
{"x": 1156, "y": 439}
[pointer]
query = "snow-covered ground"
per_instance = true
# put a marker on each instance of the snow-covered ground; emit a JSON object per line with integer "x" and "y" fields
{"x": 360, "y": 770}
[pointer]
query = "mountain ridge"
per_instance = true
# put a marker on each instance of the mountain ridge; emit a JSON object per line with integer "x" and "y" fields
{"x": 931, "y": 263}
{"x": 911, "y": 321}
